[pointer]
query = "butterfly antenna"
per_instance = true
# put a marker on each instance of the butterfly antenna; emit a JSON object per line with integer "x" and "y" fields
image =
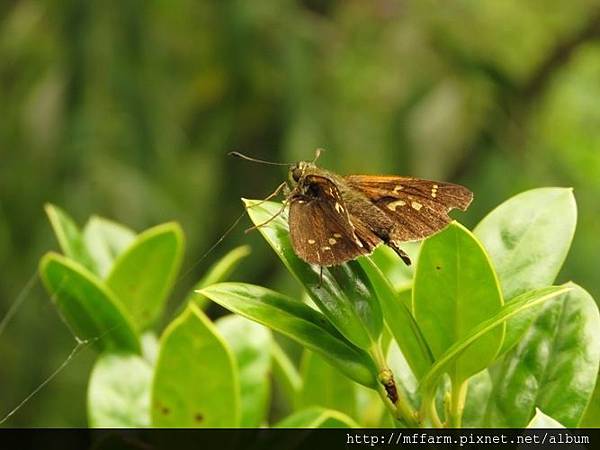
{"x": 271, "y": 195}
{"x": 261, "y": 161}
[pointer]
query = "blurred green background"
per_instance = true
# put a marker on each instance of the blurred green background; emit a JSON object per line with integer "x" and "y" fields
{"x": 127, "y": 109}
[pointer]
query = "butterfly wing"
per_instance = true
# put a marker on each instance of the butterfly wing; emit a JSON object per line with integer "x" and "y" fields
{"x": 320, "y": 227}
{"x": 419, "y": 208}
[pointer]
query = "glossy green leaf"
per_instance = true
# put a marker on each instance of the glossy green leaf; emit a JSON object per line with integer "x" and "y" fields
{"x": 456, "y": 289}
{"x": 553, "y": 367}
{"x": 528, "y": 238}
{"x": 405, "y": 297}
{"x": 591, "y": 417}
{"x": 344, "y": 294}
{"x": 218, "y": 272}
{"x": 297, "y": 321}
{"x": 324, "y": 386}
{"x": 520, "y": 304}
{"x": 69, "y": 236}
{"x": 478, "y": 395}
{"x": 317, "y": 417}
{"x": 285, "y": 373}
{"x": 541, "y": 420}
{"x": 196, "y": 382}
{"x": 105, "y": 240}
{"x": 143, "y": 275}
{"x": 150, "y": 347}
{"x": 399, "y": 274}
{"x": 87, "y": 306}
{"x": 400, "y": 321}
{"x": 251, "y": 346}
{"x": 119, "y": 392}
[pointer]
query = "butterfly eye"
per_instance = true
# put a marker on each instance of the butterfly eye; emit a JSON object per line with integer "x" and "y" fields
{"x": 296, "y": 173}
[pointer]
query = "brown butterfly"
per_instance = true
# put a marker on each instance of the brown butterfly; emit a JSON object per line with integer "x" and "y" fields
{"x": 334, "y": 218}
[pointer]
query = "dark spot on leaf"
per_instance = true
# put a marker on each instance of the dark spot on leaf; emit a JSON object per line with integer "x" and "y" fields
{"x": 438, "y": 268}
{"x": 198, "y": 417}
{"x": 165, "y": 410}
{"x": 510, "y": 239}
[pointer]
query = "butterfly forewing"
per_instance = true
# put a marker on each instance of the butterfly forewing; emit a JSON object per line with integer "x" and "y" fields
{"x": 320, "y": 226}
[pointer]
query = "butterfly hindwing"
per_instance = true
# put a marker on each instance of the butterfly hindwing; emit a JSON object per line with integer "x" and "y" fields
{"x": 418, "y": 207}
{"x": 320, "y": 227}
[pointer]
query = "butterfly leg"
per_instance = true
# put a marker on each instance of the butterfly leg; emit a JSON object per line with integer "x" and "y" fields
{"x": 320, "y": 276}
{"x": 401, "y": 253}
{"x": 277, "y": 214}
{"x": 273, "y": 194}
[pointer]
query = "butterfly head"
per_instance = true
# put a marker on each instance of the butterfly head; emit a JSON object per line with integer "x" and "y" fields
{"x": 299, "y": 169}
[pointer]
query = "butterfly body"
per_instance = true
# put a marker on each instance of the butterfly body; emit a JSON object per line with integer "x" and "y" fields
{"x": 336, "y": 218}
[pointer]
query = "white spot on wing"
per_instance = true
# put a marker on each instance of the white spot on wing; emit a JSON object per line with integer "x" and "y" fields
{"x": 393, "y": 205}
{"x": 312, "y": 241}
{"x": 416, "y": 205}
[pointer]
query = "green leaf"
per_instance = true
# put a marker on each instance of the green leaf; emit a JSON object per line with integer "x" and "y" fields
{"x": 517, "y": 306}
{"x": 69, "y": 237}
{"x": 105, "y": 240}
{"x": 143, "y": 275}
{"x": 218, "y": 272}
{"x": 399, "y": 274}
{"x": 591, "y": 417}
{"x": 371, "y": 411}
{"x": 400, "y": 321}
{"x": 478, "y": 395}
{"x": 196, "y": 382}
{"x": 455, "y": 290}
{"x": 119, "y": 392}
{"x": 324, "y": 386}
{"x": 405, "y": 297}
{"x": 297, "y": 321}
{"x": 541, "y": 420}
{"x": 150, "y": 347}
{"x": 554, "y": 366}
{"x": 251, "y": 345}
{"x": 528, "y": 238}
{"x": 285, "y": 373}
{"x": 87, "y": 306}
{"x": 317, "y": 417}
{"x": 344, "y": 295}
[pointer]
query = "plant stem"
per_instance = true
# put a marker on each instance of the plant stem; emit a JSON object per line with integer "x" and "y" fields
{"x": 457, "y": 403}
{"x": 401, "y": 409}
{"x": 435, "y": 418}
{"x": 429, "y": 411}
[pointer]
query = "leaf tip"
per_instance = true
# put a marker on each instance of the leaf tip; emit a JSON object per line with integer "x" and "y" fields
{"x": 51, "y": 211}
{"x": 248, "y": 202}
{"x": 45, "y": 260}
{"x": 205, "y": 291}
{"x": 51, "y": 257}
{"x": 243, "y": 250}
